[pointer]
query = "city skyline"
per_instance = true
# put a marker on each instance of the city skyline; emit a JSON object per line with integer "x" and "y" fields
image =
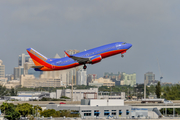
{"x": 24, "y": 59}
{"x": 152, "y": 27}
{"x": 67, "y": 69}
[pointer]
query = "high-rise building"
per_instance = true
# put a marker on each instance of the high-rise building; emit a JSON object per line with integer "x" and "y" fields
{"x": 9, "y": 77}
{"x": 113, "y": 76}
{"x": 18, "y": 71}
{"x": 149, "y": 77}
{"x": 22, "y": 59}
{"x": 36, "y": 74}
{"x": 71, "y": 52}
{"x": 91, "y": 77}
{"x": 2, "y": 69}
{"x": 122, "y": 78}
{"x": 129, "y": 79}
{"x": 72, "y": 73}
{"x": 28, "y": 65}
{"x": 102, "y": 82}
{"x": 82, "y": 77}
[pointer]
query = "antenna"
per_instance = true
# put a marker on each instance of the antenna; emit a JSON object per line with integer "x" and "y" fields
{"x": 160, "y": 71}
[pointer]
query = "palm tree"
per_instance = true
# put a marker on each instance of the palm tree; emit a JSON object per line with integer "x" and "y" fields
{"x": 4, "y": 107}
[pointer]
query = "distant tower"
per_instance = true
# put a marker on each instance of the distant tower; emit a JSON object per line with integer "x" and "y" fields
{"x": 18, "y": 71}
{"x": 148, "y": 77}
{"x": 22, "y": 59}
{"x": 2, "y": 69}
{"x": 82, "y": 77}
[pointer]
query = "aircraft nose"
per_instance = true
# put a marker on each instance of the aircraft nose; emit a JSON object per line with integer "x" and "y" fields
{"x": 129, "y": 45}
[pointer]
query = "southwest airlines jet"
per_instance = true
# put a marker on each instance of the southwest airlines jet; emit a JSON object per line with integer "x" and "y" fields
{"x": 91, "y": 56}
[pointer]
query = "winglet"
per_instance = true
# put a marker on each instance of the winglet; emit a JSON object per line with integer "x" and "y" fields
{"x": 67, "y": 54}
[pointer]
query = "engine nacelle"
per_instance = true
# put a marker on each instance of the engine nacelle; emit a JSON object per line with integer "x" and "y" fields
{"x": 37, "y": 69}
{"x": 95, "y": 59}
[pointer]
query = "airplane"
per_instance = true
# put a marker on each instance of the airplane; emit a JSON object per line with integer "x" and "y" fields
{"x": 91, "y": 56}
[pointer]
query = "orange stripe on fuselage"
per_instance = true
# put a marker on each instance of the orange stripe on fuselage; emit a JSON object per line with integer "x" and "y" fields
{"x": 49, "y": 67}
{"x": 37, "y": 61}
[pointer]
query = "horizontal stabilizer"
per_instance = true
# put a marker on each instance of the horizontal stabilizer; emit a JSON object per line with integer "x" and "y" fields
{"x": 37, "y": 66}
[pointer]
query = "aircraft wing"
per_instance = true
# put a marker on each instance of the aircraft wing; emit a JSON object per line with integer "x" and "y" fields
{"x": 78, "y": 59}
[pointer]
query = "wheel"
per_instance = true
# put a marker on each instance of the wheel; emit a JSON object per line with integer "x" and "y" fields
{"x": 84, "y": 67}
{"x": 122, "y": 55}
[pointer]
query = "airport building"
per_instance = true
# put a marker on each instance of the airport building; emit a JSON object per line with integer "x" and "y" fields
{"x": 27, "y": 96}
{"x": 91, "y": 108}
{"x": 107, "y": 108}
{"x": 77, "y": 94}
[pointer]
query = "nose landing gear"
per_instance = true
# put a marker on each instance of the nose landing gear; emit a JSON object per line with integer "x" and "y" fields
{"x": 122, "y": 55}
{"x": 84, "y": 67}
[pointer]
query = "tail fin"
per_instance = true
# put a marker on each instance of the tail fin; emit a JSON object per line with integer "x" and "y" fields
{"x": 37, "y": 57}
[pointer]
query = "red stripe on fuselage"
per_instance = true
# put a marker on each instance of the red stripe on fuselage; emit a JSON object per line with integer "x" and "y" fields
{"x": 49, "y": 67}
{"x": 110, "y": 53}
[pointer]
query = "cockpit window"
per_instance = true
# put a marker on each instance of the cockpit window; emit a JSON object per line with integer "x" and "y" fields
{"x": 124, "y": 43}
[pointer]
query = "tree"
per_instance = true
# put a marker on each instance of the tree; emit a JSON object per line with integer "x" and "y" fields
{"x": 61, "y": 113}
{"x": 9, "y": 111}
{"x": 37, "y": 109}
{"x": 64, "y": 97}
{"x": 4, "y": 107}
{"x": 25, "y": 109}
{"x": 172, "y": 92}
{"x": 13, "y": 92}
{"x": 14, "y": 115}
{"x": 47, "y": 113}
{"x": 158, "y": 90}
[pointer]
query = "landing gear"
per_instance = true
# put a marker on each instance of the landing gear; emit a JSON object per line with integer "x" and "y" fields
{"x": 84, "y": 67}
{"x": 122, "y": 55}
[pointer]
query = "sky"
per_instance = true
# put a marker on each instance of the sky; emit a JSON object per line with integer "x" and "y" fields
{"x": 52, "y": 26}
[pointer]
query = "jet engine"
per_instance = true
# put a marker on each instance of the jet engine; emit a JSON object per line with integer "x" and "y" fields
{"x": 95, "y": 59}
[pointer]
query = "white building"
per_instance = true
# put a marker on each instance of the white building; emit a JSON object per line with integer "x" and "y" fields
{"x": 82, "y": 77}
{"x": 22, "y": 59}
{"x": 2, "y": 69}
{"x": 102, "y": 81}
{"x": 18, "y": 71}
{"x": 77, "y": 94}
